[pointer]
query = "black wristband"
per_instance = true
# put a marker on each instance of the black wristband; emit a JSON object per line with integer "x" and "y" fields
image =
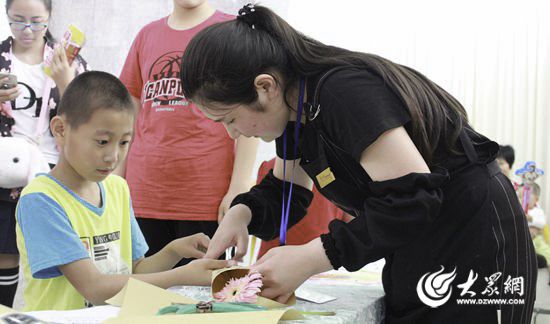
{"x": 330, "y": 250}
{"x": 264, "y": 200}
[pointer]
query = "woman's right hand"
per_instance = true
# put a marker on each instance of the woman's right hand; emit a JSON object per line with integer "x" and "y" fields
{"x": 8, "y": 94}
{"x": 233, "y": 231}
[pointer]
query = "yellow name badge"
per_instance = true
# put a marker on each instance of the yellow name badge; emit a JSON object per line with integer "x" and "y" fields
{"x": 325, "y": 178}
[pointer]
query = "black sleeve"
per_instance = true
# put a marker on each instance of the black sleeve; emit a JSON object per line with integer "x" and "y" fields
{"x": 399, "y": 211}
{"x": 265, "y": 199}
{"x": 357, "y": 107}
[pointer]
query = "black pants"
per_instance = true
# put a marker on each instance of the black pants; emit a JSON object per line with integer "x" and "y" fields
{"x": 159, "y": 232}
{"x": 481, "y": 229}
{"x": 8, "y": 244}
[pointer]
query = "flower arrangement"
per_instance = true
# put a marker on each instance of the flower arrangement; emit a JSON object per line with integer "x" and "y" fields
{"x": 241, "y": 290}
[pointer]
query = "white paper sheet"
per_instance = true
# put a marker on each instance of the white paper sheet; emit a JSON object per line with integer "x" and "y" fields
{"x": 92, "y": 315}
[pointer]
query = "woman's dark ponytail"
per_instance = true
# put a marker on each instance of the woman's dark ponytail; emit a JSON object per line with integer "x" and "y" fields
{"x": 49, "y": 37}
{"x": 221, "y": 62}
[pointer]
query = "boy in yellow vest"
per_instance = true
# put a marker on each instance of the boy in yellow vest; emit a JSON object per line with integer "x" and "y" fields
{"x": 76, "y": 232}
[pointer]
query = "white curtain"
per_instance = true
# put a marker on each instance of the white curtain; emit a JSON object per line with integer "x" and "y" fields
{"x": 494, "y": 56}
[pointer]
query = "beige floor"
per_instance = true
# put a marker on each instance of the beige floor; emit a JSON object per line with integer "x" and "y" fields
{"x": 543, "y": 297}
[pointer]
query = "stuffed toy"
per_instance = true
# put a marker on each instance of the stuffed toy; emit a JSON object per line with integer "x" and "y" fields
{"x": 20, "y": 161}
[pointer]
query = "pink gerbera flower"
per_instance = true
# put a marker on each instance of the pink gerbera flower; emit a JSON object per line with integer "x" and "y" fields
{"x": 242, "y": 290}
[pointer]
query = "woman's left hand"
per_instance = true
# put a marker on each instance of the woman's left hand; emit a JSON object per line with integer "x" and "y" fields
{"x": 62, "y": 72}
{"x": 285, "y": 268}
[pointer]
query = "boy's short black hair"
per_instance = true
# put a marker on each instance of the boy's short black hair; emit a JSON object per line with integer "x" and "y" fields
{"x": 91, "y": 91}
{"x": 506, "y": 152}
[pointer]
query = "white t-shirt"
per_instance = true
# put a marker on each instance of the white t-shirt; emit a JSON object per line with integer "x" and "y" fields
{"x": 538, "y": 219}
{"x": 31, "y": 80}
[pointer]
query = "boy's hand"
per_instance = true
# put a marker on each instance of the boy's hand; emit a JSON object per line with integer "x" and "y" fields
{"x": 199, "y": 272}
{"x": 193, "y": 246}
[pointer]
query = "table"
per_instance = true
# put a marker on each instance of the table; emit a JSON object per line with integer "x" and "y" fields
{"x": 359, "y": 300}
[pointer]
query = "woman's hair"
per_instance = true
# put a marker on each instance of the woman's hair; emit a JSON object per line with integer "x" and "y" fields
{"x": 222, "y": 61}
{"x": 48, "y": 5}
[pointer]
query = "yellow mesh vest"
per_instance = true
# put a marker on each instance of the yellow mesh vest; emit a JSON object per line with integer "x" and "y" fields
{"x": 107, "y": 239}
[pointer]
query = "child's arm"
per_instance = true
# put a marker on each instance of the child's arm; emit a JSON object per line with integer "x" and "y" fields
{"x": 193, "y": 246}
{"x": 97, "y": 287}
{"x": 40, "y": 219}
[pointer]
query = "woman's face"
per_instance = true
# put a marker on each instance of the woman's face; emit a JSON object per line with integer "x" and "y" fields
{"x": 265, "y": 119}
{"x": 33, "y": 12}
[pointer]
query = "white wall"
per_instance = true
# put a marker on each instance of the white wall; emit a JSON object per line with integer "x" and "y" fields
{"x": 494, "y": 56}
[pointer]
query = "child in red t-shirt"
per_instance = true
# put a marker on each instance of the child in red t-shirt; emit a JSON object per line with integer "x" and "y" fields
{"x": 183, "y": 170}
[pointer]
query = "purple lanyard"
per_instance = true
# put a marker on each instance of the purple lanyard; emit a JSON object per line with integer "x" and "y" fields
{"x": 286, "y": 202}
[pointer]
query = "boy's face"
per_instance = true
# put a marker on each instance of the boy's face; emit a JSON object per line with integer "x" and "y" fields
{"x": 504, "y": 166}
{"x": 94, "y": 149}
